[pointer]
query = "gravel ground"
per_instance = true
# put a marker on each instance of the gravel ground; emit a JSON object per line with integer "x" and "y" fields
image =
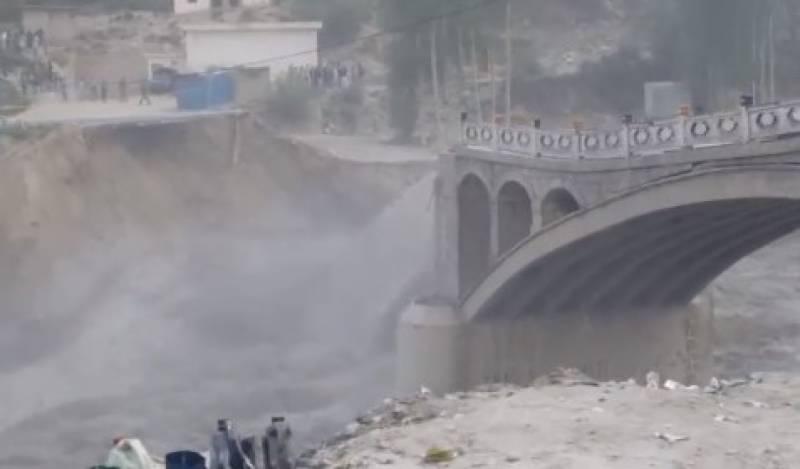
{"x": 753, "y": 424}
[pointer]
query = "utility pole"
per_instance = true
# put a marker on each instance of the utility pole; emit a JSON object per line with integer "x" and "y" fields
{"x": 476, "y": 82}
{"x": 435, "y": 79}
{"x": 772, "y": 51}
{"x": 763, "y": 81}
{"x": 508, "y": 63}
{"x": 494, "y": 85}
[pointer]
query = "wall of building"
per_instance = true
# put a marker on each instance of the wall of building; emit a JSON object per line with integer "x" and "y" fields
{"x": 58, "y": 25}
{"x": 208, "y": 49}
{"x": 124, "y": 62}
{"x": 192, "y": 6}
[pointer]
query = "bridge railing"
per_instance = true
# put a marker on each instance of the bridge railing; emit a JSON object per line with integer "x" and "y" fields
{"x": 630, "y": 140}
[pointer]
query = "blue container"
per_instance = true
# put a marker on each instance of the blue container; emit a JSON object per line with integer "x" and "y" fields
{"x": 198, "y": 92}
{"x": 185, "y": 460}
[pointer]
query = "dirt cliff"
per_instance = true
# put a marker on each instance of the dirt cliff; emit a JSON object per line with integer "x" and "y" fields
{"x": 137, "y": 263}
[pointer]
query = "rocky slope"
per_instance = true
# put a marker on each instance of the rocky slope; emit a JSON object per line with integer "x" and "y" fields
{"x": 570, "y": 424}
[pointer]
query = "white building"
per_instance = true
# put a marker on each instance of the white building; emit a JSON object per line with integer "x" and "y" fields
{"x": 276, "y": 45}
{"x": 192, "y": 6}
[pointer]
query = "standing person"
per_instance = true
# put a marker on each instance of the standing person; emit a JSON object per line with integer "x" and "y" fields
{"x": 103, "y": 91}
{"x": 62, "y": 85}
{"x": 218, "y": 454}
{"x": 123, "y": 89}
{"x": 226, "y": 449}
{"x": 145, "y": 93}
{"x": 276, "y": 445}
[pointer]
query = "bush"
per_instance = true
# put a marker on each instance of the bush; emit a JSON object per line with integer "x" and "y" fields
{"x": 289, "y": 103}
{"x": 341, "y": 19}
{"x": 346, "y": 106}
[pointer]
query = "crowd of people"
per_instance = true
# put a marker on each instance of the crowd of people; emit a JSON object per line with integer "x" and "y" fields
{"x": 328, "y": 75}
{"x": 227, "y": 450}
{"x": 21, "y": 41}
{"x": 39, "y": 74}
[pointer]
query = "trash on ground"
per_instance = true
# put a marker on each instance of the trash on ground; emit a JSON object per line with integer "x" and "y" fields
{"x": 438, "y": 455}
{"x": 653, "y": 380}
{"x": 671, "y": 438}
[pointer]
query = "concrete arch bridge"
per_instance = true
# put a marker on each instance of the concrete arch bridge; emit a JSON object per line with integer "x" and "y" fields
{"x": 597, "y": 260}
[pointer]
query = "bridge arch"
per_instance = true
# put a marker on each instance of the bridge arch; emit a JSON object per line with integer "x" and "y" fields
{"x": 557, "y": 204}
{"x": 474, "y": 231}
{"x": 649, "y": 249}
{"x": 514, "y": 215}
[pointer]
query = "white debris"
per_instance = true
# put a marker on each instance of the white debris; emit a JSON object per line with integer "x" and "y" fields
{"x": 720, "y": 418}
{"x": 671, "y": 438}
{"x": 756, "y": 404}
{"x": 676, "y": 386}
{"x": 714, "y": 386}
{"x": 653, "y": 380}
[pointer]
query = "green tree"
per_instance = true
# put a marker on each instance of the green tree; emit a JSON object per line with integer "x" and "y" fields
{"x": 342, "y": 20}
{"x": 408, "y": 54}
{"x": 711, "y": 44}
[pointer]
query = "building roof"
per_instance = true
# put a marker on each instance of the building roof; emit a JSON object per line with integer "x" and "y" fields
{"x": 231, "y": 27}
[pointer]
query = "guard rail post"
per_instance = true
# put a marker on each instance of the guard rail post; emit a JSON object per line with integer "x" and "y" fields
{"x": 536, "y": 137}
{"x": 746, "y": 102}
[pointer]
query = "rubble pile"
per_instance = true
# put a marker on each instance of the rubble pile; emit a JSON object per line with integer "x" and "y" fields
{"x": 566, "y": 419}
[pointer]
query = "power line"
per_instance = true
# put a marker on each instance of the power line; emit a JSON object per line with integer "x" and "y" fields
{"x": 478, "y": 5}
{"x": 400, "y": 30}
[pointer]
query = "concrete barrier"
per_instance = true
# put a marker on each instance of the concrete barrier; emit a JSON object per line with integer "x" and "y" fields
{"x": 430, "y": 349}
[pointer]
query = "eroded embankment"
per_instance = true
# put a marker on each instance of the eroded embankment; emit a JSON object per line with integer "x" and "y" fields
{"x": 150, "y": 285}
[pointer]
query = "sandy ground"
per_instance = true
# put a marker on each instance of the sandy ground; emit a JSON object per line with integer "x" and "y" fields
{"x": 611, "y": 425}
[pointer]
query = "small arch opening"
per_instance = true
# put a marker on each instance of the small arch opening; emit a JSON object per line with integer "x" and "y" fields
{"x": 557, "y": 204}
{"x": 474, "y": 232}
{"x": 514, "y": 216}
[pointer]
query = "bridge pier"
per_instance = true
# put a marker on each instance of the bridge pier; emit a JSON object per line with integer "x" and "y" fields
{"x": 438, "y": 350}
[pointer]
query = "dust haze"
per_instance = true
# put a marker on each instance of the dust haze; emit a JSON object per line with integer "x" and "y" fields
{"x": 157, "y": 333}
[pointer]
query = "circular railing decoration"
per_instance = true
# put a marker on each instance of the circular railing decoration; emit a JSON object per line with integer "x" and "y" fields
{"x": 699, "y": 129}
{"x": 524, "y": 139}
{"x": 766, "y": 120}
{"x": 564, "y": 142}
{"x": 641, "y": 136}
{"x": 472, "y": 133}
{"x": 794, "y": 115}
{"x": 486, "y": 134}
{"x": 612, "y": 140}
{"x": 591, "y": 142}
{"x": 665, "y": 134}
{"x": 728, "y": 125}
{"x": 547, "y": 141}
{"x": 507, "y": 136}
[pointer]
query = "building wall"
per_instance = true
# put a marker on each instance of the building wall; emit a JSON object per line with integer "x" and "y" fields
{"x": 58, "y": 25}
{"x": 111, "y": 66}
{"x": 208, "y": 49}
{"x": 192, "y": 6}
